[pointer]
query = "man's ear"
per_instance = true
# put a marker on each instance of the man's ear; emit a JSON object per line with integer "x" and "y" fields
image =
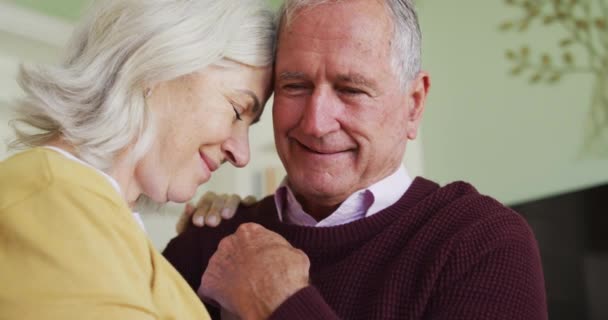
{"x": 418, "y": 90}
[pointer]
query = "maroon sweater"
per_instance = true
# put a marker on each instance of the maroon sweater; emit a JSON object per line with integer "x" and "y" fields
{"x": 438, "y": 253}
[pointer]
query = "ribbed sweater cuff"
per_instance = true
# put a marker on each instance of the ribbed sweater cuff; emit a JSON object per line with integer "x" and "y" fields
{"x": 305, "y": 304}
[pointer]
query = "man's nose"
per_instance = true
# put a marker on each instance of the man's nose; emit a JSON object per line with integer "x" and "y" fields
{"x": 319, "y": 115}
{"x": 236, "y": 148}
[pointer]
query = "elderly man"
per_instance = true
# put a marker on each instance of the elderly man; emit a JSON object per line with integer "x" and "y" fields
{"x": 350, "y": 235}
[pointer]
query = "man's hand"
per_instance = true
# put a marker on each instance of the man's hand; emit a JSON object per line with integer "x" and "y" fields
{"x": 211, "y": 209}
{"x": 253, "y": 272}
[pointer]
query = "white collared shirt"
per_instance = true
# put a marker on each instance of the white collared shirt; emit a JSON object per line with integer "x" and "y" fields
{"x": 361, "y": 204}
{"x": 112, "y": 181}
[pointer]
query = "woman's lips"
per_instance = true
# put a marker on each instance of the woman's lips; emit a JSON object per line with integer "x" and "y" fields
{"x": 212, "y": 165}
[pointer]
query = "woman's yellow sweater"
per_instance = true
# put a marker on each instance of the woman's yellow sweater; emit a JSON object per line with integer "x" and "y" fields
{"x": 70, "y": 248}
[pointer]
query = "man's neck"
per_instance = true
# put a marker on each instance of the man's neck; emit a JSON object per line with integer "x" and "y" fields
{"x": 317, "y": 209}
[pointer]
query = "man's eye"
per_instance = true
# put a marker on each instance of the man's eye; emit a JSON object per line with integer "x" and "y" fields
{"x": 293, "y": 86}
{"x": 351, "y": 91}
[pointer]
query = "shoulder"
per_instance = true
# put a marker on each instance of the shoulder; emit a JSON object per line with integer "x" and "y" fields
{"x": 58, "y": 206}
{"x": 460, "y": 201}
{"x": 39, "y": 170}
{"x": 190, "y": 251}
{"x": 478, "y": 211}
{"x": 469, "y": 224}
{"x": 485, "y": 256}
{"x": 210, "y": 237}
{"x": 69, "y": 241}
{"x": 456, "y": 216}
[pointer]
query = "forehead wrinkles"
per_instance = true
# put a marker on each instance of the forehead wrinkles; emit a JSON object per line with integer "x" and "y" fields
{"x": 337, "y": 26}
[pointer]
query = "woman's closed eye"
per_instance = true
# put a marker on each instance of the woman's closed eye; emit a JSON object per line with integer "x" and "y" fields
{"x": 236, "y": 112}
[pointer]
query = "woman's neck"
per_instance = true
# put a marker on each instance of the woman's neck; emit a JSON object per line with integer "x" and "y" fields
{"x": 122, "y": 170}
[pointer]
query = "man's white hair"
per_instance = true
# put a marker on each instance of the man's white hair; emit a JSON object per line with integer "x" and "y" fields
{"x": 407, "y": 38}
{"x": 94, "y": 99}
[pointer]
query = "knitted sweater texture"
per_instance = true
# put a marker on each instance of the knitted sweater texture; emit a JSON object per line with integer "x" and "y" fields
{"x": 438, "y": 253}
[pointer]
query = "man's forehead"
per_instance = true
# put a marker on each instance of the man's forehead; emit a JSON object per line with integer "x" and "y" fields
{"x": 339, "y": 19}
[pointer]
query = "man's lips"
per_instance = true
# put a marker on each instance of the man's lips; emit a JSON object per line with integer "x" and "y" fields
{"x": 212, "y": 165}
{"x": 322, "y": 151}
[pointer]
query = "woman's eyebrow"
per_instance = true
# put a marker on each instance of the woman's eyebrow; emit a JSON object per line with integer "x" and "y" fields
{"x": 256, "y": 101}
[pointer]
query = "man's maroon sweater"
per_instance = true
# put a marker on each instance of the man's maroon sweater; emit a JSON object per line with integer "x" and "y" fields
{"x": 438, "y": 253}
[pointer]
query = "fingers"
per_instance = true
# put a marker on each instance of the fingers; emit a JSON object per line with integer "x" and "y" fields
{"x": 212, "y": 208}
{"x": 203, "y": 206}
{"x": 249, "y": 200}
{"x": 212, "y": 217}
{"x": 184, "y": 219}
{"x": 230, "y": 206}
{"x": 253, "y": 233}
{"x": 254, "y": 269}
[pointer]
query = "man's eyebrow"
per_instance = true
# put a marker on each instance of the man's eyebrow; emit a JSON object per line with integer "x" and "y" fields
{"x": 287, "y": 75}
{"x": 357, "y": 79}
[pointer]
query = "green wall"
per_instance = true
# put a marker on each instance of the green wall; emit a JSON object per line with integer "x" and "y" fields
{"x": 511, "y": 139}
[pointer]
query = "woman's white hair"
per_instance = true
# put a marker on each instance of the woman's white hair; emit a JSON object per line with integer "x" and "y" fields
{"x": 95, "y": 101}
{"x": 407, "y": 38}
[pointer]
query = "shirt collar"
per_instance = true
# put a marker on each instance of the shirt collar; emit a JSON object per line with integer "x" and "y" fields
{"x": 362, "y": 203}
{"x": 111, "y": 180}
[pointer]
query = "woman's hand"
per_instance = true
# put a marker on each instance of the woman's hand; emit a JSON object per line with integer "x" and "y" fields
{"x": 211, "y": 209}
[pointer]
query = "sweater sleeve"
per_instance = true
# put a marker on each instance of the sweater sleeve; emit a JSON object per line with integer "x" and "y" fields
{"x": 305, "y": 304}
{"x": 63, "y": 258}
{"x": 189, "y": 253}
{"x": 186, "y": 255}
{"x": 493, "y": 273}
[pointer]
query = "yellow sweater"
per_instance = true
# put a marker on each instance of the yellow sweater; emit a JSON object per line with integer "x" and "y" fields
{"x": 70, "y": 248}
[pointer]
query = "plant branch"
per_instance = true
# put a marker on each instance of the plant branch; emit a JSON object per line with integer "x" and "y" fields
{"x": 604, "y": 8}
{"x": 571, "y": 27}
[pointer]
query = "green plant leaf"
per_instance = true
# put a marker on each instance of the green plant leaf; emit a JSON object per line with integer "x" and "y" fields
{"x": 561, "y": 15}
{"x": 554, "y": 78}
{"x": 517, "y": 70}
{"x": 506, "y": 26}
{"x": 536, "y": 78}
{"x": 566, "y": 42}
{"x": 511, "y": 55}
{"x": 568, "y": 58}
{"x": 582, "y": 24}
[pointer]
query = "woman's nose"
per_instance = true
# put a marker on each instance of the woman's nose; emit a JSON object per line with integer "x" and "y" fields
{"x": 236, "y": 148}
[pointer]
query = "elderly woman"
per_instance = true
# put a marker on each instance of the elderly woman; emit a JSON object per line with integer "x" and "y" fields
{"x": 152, "y": 97}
